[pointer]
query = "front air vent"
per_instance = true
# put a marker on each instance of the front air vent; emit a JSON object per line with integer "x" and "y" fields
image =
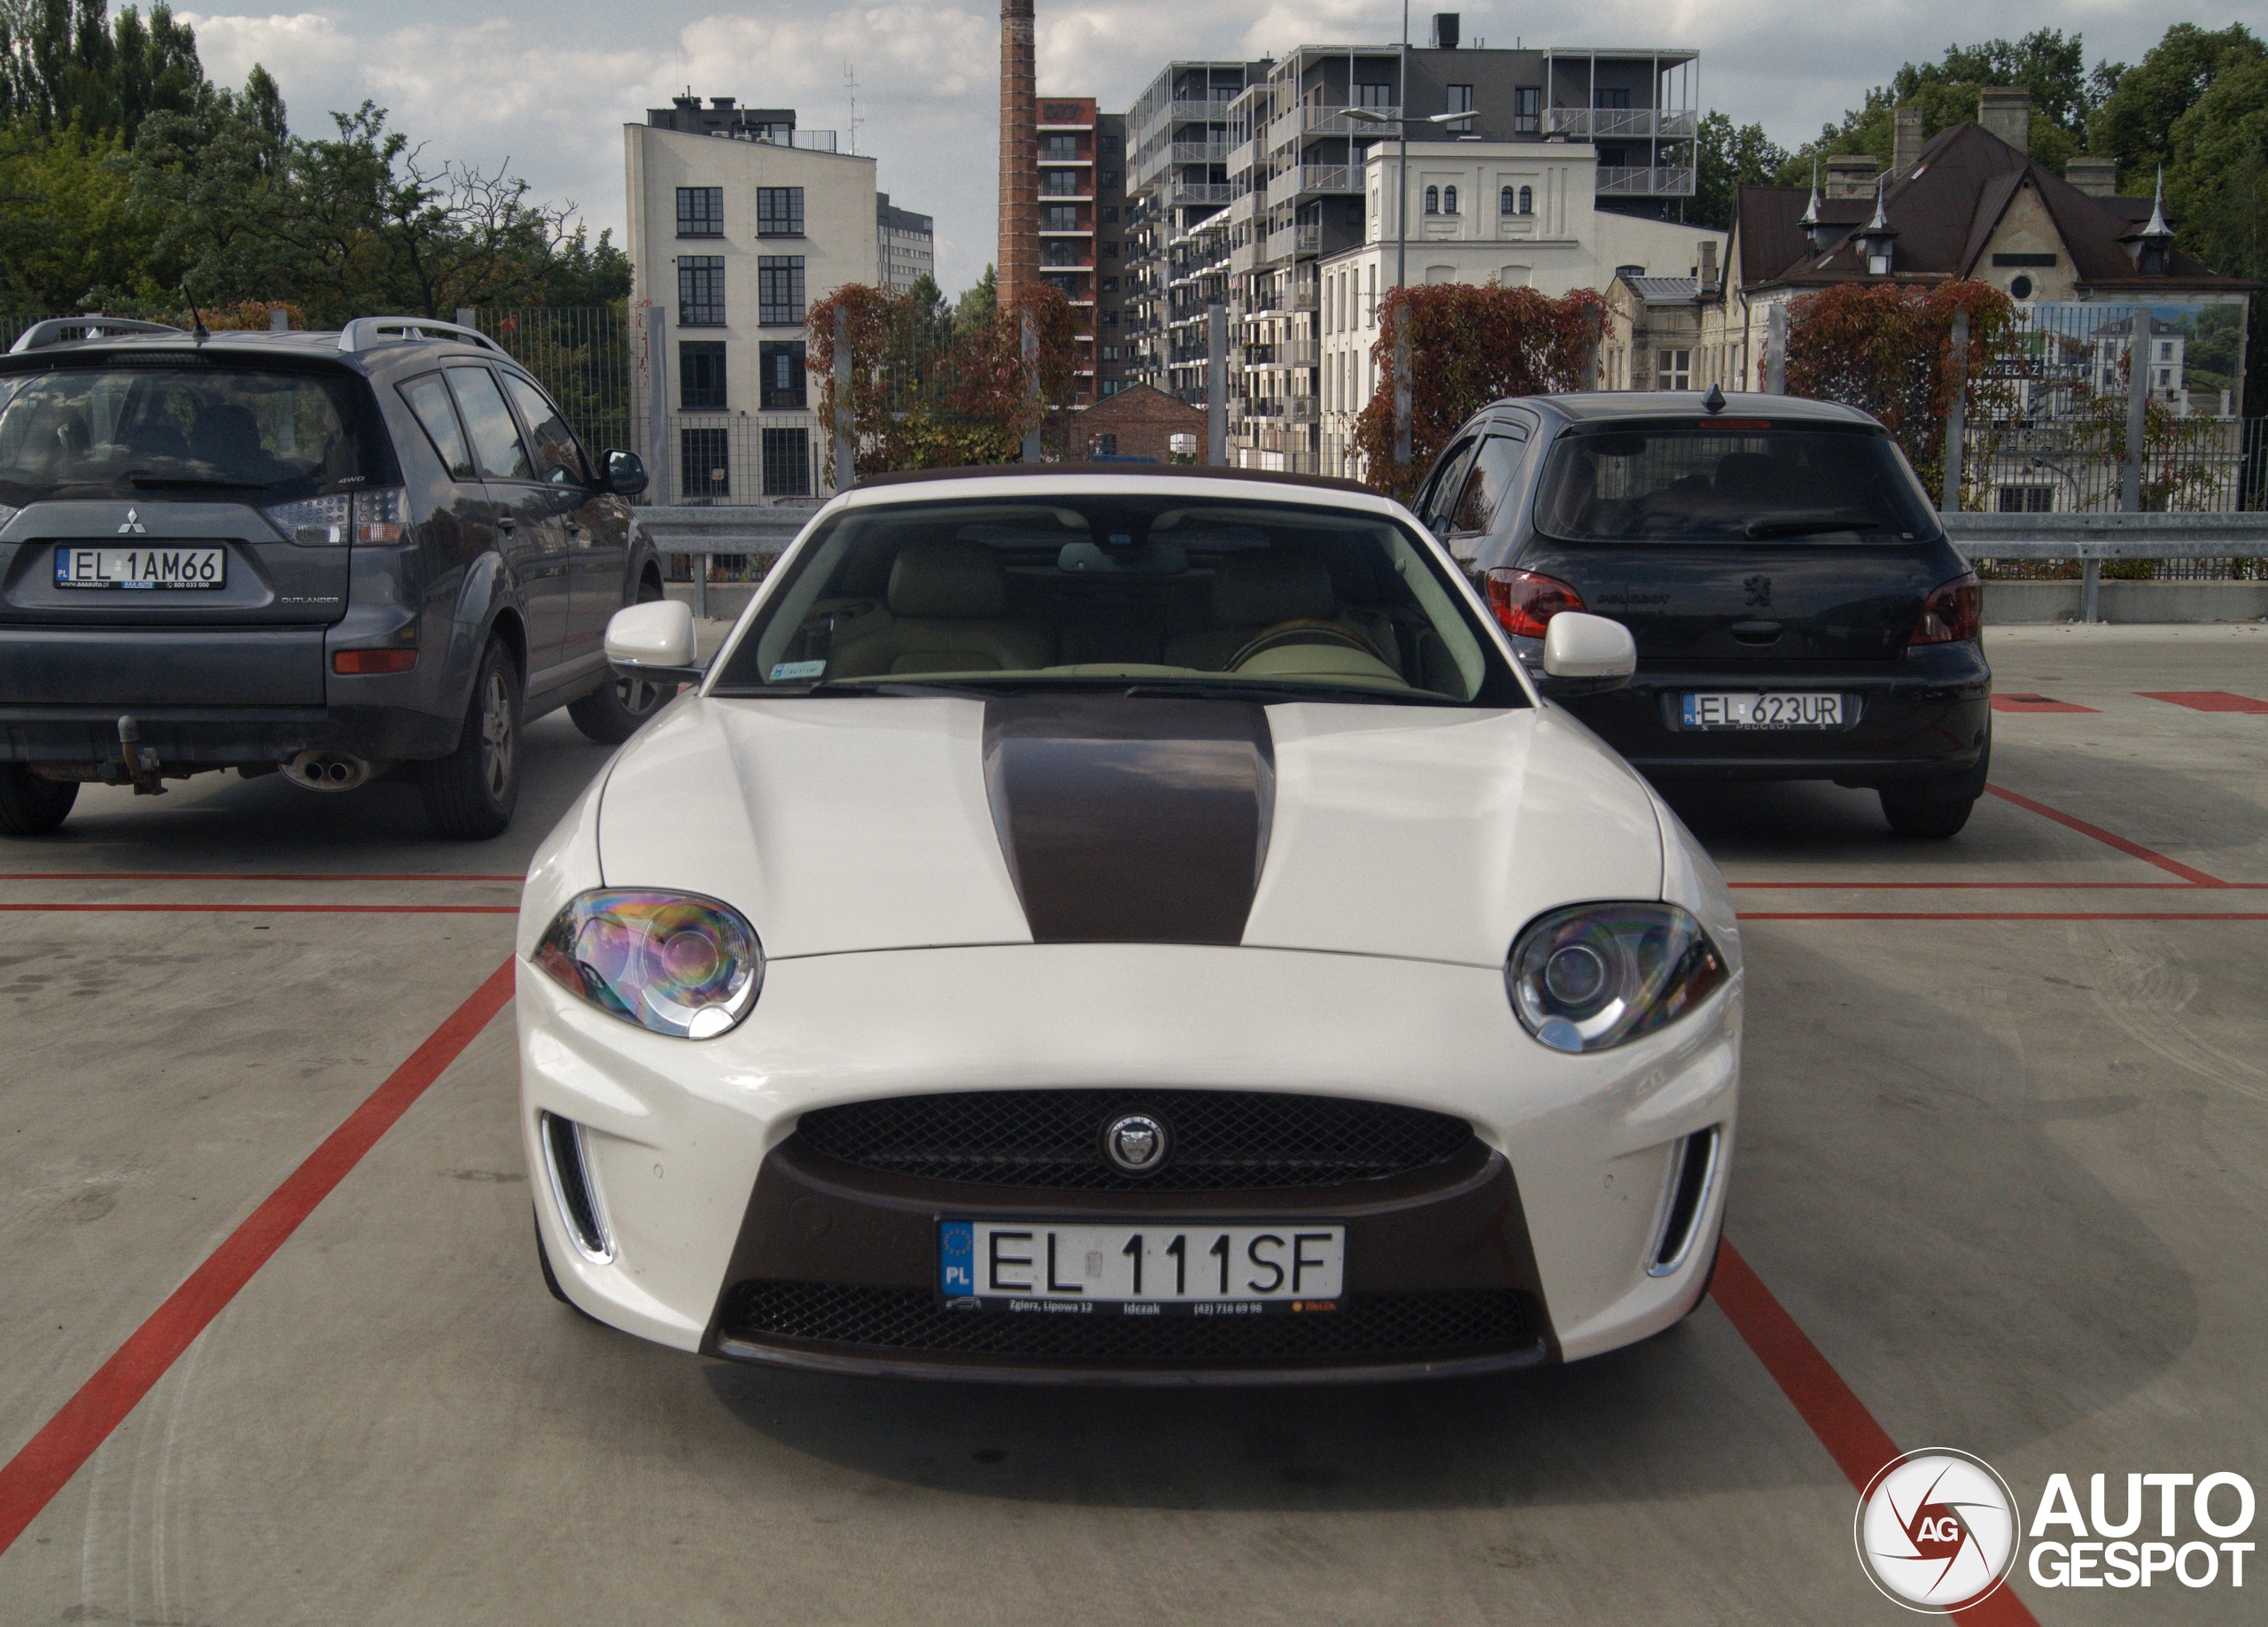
{"x": 571, "y": 1188}
{"x": 1688, "y": 1199}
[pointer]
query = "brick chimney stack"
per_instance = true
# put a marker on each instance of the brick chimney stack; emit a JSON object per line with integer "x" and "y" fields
{"x": 1018, "y": 260}
{"x": 1906, "y": 140}
{"x": 2007, "y": 113}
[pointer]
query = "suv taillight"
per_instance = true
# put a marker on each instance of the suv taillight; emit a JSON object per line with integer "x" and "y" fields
{"x": 1954, "y": 611}
{"x": 330, "y": 522}
{"x": 1524, "y": 601}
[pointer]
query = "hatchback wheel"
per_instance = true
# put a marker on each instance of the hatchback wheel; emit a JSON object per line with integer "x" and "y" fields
{"x": 1911, "y": 812}
{"x": 470, "y": 794}
{"x": 30, "y": 806}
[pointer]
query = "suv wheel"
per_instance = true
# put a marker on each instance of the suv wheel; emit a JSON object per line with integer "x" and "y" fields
{"x": 469, "y": 794}
{"x": 30, "y": 806}
{"x": 614, "y": 711}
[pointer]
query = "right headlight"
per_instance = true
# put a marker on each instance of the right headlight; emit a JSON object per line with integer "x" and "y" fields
{"x": 1594, "y": 976}
{"x": 676, "y": 963}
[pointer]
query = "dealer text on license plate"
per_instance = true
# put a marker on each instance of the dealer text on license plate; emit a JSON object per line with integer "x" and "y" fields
{"x": 1147, "y": 1268}
{"x": 144, "y": 568}
{"x": 1763, "y": 711}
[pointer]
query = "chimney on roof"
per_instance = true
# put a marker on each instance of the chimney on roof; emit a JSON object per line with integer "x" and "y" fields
{"x": 1850, "y": 174}
{"x": 722, "y": 103}
{"x": 687, "y": 104}
{"x": 1444, "y": 30}
{"x": 1708, "y": 279}
{"x": 2007, "y": 113}
{"x": 2097, "y": 177}
{"x": 1906, "y": 140}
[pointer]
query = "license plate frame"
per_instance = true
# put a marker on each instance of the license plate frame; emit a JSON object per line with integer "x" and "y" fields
{"x": 1766, "y": 711}
{"x": 1005, "y": 1265}
{"x": 167, "y": 567}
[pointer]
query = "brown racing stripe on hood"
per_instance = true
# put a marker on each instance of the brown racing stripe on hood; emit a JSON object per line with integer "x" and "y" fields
{"x": 1130, "y": 820}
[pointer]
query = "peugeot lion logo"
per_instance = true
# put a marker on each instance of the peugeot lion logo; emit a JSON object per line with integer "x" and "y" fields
{"x": 1136, "y": 1143}
{"x": 132, "y": 525}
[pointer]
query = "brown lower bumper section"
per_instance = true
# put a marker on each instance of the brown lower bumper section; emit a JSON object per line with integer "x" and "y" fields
{"x": 836, "y": 1270}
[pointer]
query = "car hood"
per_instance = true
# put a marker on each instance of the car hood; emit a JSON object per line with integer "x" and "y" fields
{"x": 846, "y": 824}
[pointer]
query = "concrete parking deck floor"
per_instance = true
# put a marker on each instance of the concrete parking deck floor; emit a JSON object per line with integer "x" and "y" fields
{"x": 2002, "y": 1160}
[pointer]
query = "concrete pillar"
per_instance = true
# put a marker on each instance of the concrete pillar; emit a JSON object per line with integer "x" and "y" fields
{"x": 1402, "y": 382}
{"x": 1216, "y": 385}
{"x": 657, "y": 406}
{"x": 2138, "y": 405}
{"x": 1033, "y": 452}
{"x": 1775, "y": 349}
{"x": 1956, "y": 416}
{"x": 846, "y": 423}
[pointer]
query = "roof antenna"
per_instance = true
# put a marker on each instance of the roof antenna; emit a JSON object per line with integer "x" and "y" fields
{"x": 1714, "y": 402}
{"x": 200, "y": 333}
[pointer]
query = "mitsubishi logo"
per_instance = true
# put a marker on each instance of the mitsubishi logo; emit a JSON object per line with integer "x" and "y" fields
{"x": 133, "y": 526}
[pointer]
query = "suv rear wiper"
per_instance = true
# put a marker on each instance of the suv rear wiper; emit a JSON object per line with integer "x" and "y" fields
{"x": 141, "y": 478}
{"x": 1756, "y": 530}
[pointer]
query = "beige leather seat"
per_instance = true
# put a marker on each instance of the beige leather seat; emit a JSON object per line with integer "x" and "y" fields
{"x": 944, "y": 604}
{"x": 1251, "y": 593}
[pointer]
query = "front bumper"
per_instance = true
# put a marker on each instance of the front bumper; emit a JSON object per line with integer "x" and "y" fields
{"x": 689, "y": 1147}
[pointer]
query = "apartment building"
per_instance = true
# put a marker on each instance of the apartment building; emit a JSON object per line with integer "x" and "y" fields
{"x": 1289, "y": 190}
{"x": 906, "y": 246}
{"x": 1176, "y": 255}
{"x": 739, "y": 221}
{"x": 1081, "y": 156}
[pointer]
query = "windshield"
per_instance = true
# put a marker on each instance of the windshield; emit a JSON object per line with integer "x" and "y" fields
{"x": 254, "y": 434}
{"x": 1150, "y": 595}
{"x": 1709, "y": 482}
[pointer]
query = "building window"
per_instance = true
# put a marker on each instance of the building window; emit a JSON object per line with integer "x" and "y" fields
{"x": 1059, "y": 253}
{"x": 1110, "y": 319}
{"x": 704, "y": 463}
{"x": 1059, "y": 183}
{"x": 701, "y": 211}
{"x": 1060, "y": 218}
{"x": 1110, "y": 352}
{"x": 1059, "y": 147}
{"x": 1110, "y": 181}
{"x": 700, "y": 291}
{"x": 701, "y": 375}
{"x": 1432, "y": 200}
{"x": 781, "y": 375}
{"x": 1676, "y": 369}
{"x": 779, "y": 212}
{"x": 1374, "y": 96}
{"x": 1619, "y": 100}
{"x": 2026, "y": 500}
{"x": 1528, "y": 200}
{"x": 1507, "y": 202}
{"x": 1460, "y": 102}
{"x": 1527, "y": 110}
{"x": 1110, "y": 214}
{"x": 1448, "y": 200}
{"x": 788, "y": 462}
{"x": 1106, "y": 445}
{"x": 780, "y": 291}
{"x": 1110, "y": 250}
{"x": 1110, "y": 285}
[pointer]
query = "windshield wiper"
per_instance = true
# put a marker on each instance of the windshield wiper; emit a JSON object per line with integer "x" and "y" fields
{"x": 1199, "y": 690}
{"x": 142, "y": 478}
{"x": 1756, "y": 530}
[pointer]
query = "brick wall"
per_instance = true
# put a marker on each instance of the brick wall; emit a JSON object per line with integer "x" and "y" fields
{"x": 1018, "y": 258}
{"x": 1142, "y": 419}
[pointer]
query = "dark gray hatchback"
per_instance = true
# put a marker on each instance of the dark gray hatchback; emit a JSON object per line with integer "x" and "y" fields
{"x": 338, "y": 556}
{"x": 1797, "y": 610}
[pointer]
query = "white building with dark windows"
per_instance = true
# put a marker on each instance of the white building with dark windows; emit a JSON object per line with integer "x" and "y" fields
{"x": 738, "y": 222}
{"x": 905, "y": 243}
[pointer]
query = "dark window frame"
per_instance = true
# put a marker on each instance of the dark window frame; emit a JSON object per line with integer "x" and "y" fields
{"x": 779, "y": 211}
{"x": 701, "y": 211}
{"x": 700, "y": 291}
{"x": 780, "y": 291}
{"x": 711, "y": 395}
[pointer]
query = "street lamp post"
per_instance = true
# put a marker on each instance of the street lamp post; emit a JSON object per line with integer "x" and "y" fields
{"x": 1402, "y": 360}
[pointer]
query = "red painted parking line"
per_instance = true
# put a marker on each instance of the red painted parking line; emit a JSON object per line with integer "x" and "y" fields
{"x": 1859, "y": 1447}
{"x": 47, "y": 1462}
{"x": 2132, "y": 849}
{"x": 2205, "y": 699}
{"x": 78, "y": 909}
{"x": 230, "y": 875}
{"x": 2003, "y": 915}
{"x": 2035, "y": 703}
{"x": 1990, "y": 887}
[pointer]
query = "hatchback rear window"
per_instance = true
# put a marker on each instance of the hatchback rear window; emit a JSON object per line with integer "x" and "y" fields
{"x": 1699, "y": 483}
{"x": 129, "y": 431}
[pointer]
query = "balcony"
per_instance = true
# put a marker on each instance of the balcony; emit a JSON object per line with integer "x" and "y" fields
{"x": 1301, "y": 179}
{"x": 1200, "y": 152}
{"x": 1622, "y": 123}
{"x": 1308, "y": 119}
{"x": 1662, "y": 182}
{"x": 1176, "y": 193}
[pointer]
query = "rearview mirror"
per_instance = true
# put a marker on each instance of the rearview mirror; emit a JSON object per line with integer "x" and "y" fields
{"x": 625, "y": 473}
{"x": 1587, "y": 655}
{"x": 653, "y": 640}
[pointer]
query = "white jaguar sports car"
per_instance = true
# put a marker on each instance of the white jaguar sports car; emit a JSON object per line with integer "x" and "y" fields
{"x": 1125, "y": 926}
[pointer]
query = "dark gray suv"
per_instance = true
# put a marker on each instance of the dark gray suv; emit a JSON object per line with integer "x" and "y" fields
{"x": 338, "y": 555}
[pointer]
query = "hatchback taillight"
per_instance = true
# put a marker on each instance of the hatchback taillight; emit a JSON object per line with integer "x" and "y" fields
{"x": 1524, "y": 601}
{"x": 1954, "y": 611}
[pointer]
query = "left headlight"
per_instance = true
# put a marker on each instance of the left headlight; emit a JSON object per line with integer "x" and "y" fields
{"x": 1595, "y": 976}
{"x": 675, "y": 963}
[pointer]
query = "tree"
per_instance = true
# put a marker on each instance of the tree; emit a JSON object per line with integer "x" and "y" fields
{"x": 1727, "y": 159}
{"x": 2134, "y": 124}
{"x": 1468, "y": 346}
{"x": 66, "y": 62}
{"x": 977, "y": 305}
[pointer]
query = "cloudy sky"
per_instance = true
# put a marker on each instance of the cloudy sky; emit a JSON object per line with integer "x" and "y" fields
{"x": 547, "y": 89}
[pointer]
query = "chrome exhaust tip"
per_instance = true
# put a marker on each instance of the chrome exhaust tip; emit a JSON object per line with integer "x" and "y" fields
{"x": 328, "y": 771}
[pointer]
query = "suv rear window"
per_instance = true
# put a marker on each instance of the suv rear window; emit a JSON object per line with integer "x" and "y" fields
{"x": 269, "y": 433}
{"x": 1709, "y": 482}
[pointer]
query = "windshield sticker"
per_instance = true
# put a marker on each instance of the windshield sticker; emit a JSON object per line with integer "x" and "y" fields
{"x": 796, "y": 671}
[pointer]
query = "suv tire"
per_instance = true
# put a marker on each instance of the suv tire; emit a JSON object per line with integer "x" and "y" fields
{"x": 30, "y": 806}
{"x": 470, "y": 794}
{"x": 618, "y": 708}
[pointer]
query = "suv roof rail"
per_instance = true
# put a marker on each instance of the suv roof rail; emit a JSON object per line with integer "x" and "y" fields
{"x": 366, "y": 331}
{"x": 55, "y": 329}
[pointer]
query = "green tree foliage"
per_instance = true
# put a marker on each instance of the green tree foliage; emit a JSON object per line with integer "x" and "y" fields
{"x": 67, "y": 62}
{"x": 2134, "y": 124}
{"x": 1728, "y": 159}
{"x": 979, "y": 305}
{"x": 2045, "y": 62}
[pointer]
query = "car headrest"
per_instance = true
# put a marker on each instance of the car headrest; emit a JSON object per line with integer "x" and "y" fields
{"x": 1747, "y": 477}
{"x": 1259, "y": 590}
{"x": 956, "y": 580}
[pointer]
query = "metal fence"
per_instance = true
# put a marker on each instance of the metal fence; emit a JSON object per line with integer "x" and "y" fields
{"x": 740, "y": 457}
{"x": 580, "y": 354}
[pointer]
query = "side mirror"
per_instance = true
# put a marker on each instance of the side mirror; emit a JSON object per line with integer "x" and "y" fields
{"x": 653, "y": 640}
{"x": 625, "y": 473}
{"x": 1587, "y": 655}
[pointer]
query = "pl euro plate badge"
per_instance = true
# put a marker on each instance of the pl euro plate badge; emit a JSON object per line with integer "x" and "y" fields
{"x": 1795, "y": 710}
{"x": 1149, "y": 1269}
{"x": 142, "y": 568}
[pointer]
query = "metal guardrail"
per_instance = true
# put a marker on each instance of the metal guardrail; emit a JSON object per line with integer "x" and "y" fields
{"x": 2092, "y": 538}
{"x": 726, "y": 529}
